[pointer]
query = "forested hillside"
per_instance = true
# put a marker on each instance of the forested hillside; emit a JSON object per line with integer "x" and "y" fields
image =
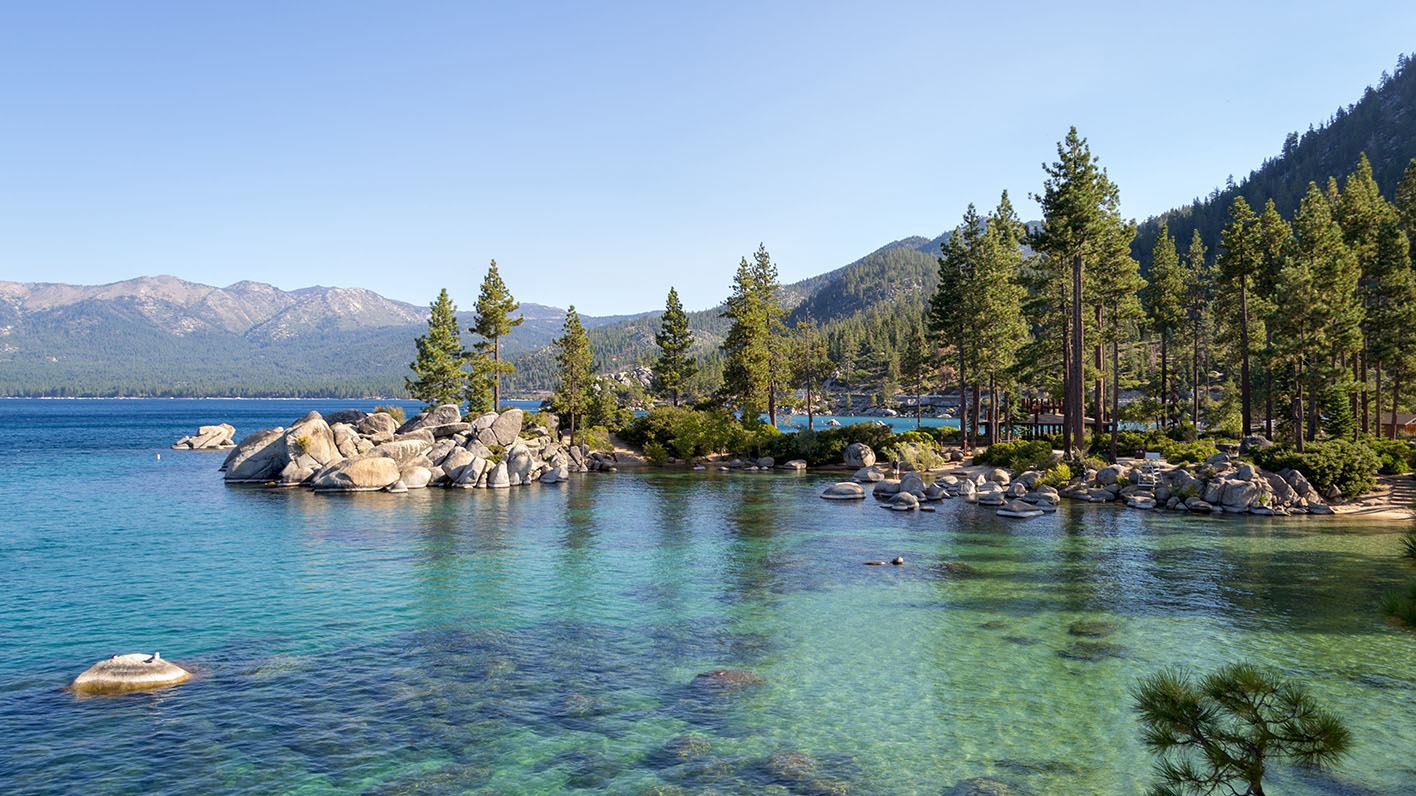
{"x": 1381, "y": 124}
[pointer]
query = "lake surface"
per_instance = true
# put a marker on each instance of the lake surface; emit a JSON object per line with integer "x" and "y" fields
{"x": 546, "y": 639}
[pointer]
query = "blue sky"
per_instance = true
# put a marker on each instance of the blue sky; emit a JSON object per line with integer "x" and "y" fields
{"x": 602, "y": 152}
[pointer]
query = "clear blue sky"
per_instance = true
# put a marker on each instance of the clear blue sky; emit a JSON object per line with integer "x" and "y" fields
{"x": 602, "y": 152}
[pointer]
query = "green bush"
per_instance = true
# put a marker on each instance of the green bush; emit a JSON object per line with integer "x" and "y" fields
{"x": 917, "y": 455}
{"x": 597, "y": 438}
{"x": 656, "y": 454}
{"x": 1057, "y": 476}
{"x": 1189, "y": 452}
{"x": 828, "y": 446}
{"x": 1351, "y": 466}
{"x": 1396, "y": 455}
{"x": 689, "y": 433}
{"x": 1020, "y": 455}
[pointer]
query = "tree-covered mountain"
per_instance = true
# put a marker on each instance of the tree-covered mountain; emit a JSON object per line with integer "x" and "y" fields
{"x": 1381, "y": 124}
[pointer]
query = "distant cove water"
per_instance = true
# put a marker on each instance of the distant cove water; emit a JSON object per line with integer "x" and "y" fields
{"x": 546, "y": 639}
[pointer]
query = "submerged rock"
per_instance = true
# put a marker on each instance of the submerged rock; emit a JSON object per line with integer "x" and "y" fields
{"x": 981, "y": 787}
{"x": 727, "y": 680}
{"x": 134, "y": 672}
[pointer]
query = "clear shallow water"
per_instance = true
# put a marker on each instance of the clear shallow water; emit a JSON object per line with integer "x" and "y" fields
{"x": 545, "y": 640}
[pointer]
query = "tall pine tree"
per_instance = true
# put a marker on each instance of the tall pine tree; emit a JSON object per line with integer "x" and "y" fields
{"x": 438, "y": 365}
{"x": 493, "y": 322}
{"x": 674, "y": 365}
{"x": 573, "y": 355}
{"x": 1080, "y": 208}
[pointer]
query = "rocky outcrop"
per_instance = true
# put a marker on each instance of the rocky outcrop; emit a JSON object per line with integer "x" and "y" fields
{"x": 208, "y": 438}
{"x": 133, "y": 672}
{"x": 436, "y": 448}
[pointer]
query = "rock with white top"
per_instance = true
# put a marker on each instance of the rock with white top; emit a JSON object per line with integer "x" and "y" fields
{"x": 137, "y": 671}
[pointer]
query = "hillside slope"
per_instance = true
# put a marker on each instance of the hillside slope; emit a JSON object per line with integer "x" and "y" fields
{"x": 1382, "y": 124}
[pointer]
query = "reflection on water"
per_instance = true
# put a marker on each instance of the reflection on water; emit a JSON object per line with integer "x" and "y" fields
{"x": 550, "y": 639}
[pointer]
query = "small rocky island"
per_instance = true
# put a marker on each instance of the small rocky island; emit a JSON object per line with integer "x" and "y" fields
{"x": 355, "y": 451}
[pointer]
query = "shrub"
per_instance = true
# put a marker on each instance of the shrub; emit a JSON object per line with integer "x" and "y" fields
{"x": 597, "y": 438}
{"x": 1349, "y": 466}
{"x": 392, "y": 410}
{"x": 1396, "y": 455}
{"x": 919, "y": 456}
{"x": 655, "y": 453}
{"x": 1057, "y": 476}
{"x": 1189, "y": 452}
{"x": 1033, "y": 454}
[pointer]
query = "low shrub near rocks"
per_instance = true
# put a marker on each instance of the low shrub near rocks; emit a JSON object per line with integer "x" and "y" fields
{"x": 1397, "y": 456}
{"x": 1021, "y": 455}
{"x": 1350, "y": 466}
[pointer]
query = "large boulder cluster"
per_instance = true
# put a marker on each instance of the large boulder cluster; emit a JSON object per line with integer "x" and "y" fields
{"x": 1221, "y": 483}
{"x": 352, "y": 451}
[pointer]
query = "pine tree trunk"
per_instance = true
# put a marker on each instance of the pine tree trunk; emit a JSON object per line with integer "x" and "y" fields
{"x": 1115, "y": 393}
{"x": 963, "y": 405}
{"x": 1245, "y": 398}
{"x": 1359, "y": 363}
{"x": 496, "y": 374}
{"x": 1377, "y": 399}
{"x": 810, "y": 412}
{"x": 1195, "y": 382}
{"x": 1066, "y": 390}
{"x": 1099, "y": 422}
{"x": 977, "y": 408}
{"x": 1164, "y": 391}
{"x": 1395, "y": 402}
{"x": 1297, "y": 410}
{"x": 1076, "y": 398}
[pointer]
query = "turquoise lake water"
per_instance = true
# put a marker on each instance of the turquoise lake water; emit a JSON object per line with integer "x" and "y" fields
{"x": 546, "y": 639}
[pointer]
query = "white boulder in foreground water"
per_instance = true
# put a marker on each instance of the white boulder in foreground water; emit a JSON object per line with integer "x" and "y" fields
{"x": 135, "y": 672}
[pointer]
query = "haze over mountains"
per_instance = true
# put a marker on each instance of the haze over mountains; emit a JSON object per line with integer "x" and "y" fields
{"x": 161, "y": 335}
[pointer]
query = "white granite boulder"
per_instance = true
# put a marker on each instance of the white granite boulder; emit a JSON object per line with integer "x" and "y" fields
{"x": 133, "y": 672}
{"x": 364, "y": 474}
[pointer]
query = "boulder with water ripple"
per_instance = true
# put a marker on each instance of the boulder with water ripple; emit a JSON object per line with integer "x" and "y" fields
{"x": 133, "y": 672}
{"x": 845, "y": 490}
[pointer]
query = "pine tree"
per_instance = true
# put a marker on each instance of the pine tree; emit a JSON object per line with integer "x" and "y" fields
{"x": 1361, "y": 211}
{"x": 810, "y": 362}
{"x": 951, "y": 315}
{"x": 1199, "y": 279}
{"x": 916, "y": 362}
{"x": 438, "y": 364}
{"x": 1405, "y": 199}
{"x": 493, "y": 322}
{"x": 1164, "y": 299}
{"x": 1079, "y": 208}
{"x": 674, "y": 366}
{"x": 751, "y": 346}
{"x": 1220, "y": 734}
{"x": 1391, "y": 317}
{"x": 573, "y": 355}
{"x": 1239, "y": 262}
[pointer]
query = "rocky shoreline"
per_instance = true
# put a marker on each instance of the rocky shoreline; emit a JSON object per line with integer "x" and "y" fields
{"x": 1222, "y": 484}
{"x": 355, "y": 451}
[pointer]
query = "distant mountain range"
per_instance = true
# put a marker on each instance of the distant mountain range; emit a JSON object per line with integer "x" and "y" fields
{"x": 165, "y": 336}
